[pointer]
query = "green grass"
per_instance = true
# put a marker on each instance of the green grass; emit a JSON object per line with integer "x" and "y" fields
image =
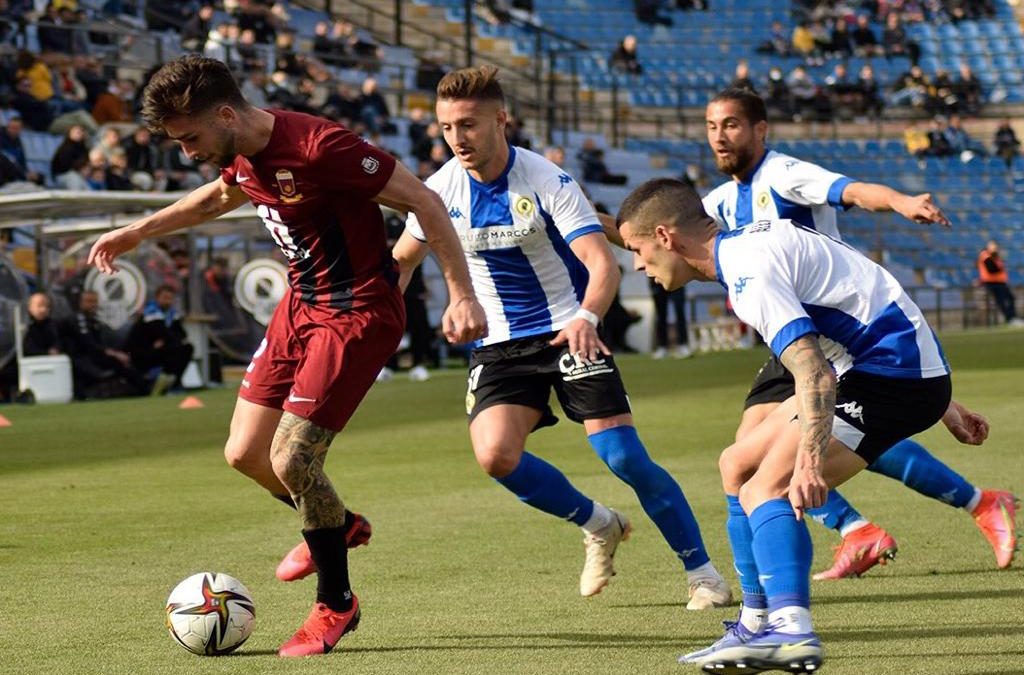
{"x": 104, "y": 507}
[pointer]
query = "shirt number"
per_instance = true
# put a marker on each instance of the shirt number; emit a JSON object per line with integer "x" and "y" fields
{"x": 279, "y": 233}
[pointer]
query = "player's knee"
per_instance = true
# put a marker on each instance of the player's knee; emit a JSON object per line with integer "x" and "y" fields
{"x": 497, "y": 461}
{"x": 288, "y": 466}
{"x": 239, "y": 456}
{"x": 732, "y": 475}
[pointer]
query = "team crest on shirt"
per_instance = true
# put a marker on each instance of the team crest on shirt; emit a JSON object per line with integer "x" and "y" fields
{"x": 524, "y": 206}
{"x": 762, "y": 200}
{"x": 286, "y": 186}
{"x": 370, "y": 164}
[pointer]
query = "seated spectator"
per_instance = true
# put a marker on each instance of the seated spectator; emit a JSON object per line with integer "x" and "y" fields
{"x": 13, "y": 149}
{"x": 870, "y": 92}
{"x": 115, "y": 104}
{"x": 89, "y": 72}
{"x": 777, "y": 42}
{"x": 843, "y": 90}
{"x": 778, "y": 99}
{"x": 649, "y": 12}
{"x": 429, "y": 71}
{"x": 555, "y": 154}
{"x": 418, "y": 123}
{"x": 911, "y": 87}
{"x": 196, "y": 29}
{"x": 247, "y": 55}
{"x": 72, "y": 150}
{"x": 960, "y": 141}
{"x": 100, "y": 369}
{"x": 822, "y": 37}
{"x": 41, "y": 335}
{"x": 968, "y": 90}
{"x": 864, "y": 39}
{"x": 109, "y": 141}
{"x": 915, "y": 139}
{"x": 841, "y": 41}
{"x": 624, "y": 58}
{"x": 804, "y": 44}
{"x": 329, "y": 49}
{"x": 515, "y": 134}
{"x": 432, "y": 136}
{"x": 176, "y": 171}
{"x": 35, "y": 70}
{"x": 595, "y": 170}
{"x": 37, "y": 115}
{"x": 895, "y": 41}
{"x": 938, "y": 141}
{"x": 805, "y": 93}
{"x": 342, "y": 104}
{"x": 220, "y": 43}
{"x": 373, "y": 108}
{"x": 157, "y": 342}
{"x": 1007, "y": 145}
{"x": 52, "y": 36}
{"x": 741, "y": 78}
{"x": 141, "y": 153}
{"x": 438, "y": 157}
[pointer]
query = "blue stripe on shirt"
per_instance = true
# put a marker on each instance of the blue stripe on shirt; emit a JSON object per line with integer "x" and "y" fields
{"x": 791, "y": 332}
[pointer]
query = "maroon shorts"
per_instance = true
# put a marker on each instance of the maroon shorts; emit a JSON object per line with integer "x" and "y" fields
{"x": 318, "y": 362}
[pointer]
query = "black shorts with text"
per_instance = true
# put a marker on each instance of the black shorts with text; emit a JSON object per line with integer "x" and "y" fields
{"x": 772, "y": 384}
{"x": 524, "y": 371}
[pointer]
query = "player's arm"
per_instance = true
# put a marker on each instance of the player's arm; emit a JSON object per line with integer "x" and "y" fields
{"x": 409, "y": 253}
{"x": 816, "y": 402}
{"x": 967, "y": 426}
{"x": 464, "y": 319}
{"x": 581, "y": 333}
{"x": 202, "y": 204}
{"x": 876, "y": 197}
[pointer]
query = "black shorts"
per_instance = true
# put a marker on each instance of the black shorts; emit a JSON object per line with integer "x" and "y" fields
{"x": 873, "y": 412}
{"x": 523, "y": 372}
{"x": 773, "y": 384}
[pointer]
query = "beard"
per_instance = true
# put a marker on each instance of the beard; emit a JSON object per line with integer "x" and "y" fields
{"x": 738, "y": 161}
{"x": 227, "y": 153}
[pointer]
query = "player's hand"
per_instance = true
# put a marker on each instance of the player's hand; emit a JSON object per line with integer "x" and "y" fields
{"x": 921, "y": 209}
{"x": 464, "y": 321}
{"x": 111, "y": 245}
{"x": 967, "y": 426}
{"x": 582, "y": 338}
{"x": 807, "y": 487}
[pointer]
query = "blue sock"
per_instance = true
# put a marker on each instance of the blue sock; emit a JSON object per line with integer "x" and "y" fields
{"x": 836, "y": 513}
{"x": 782, "y": 549}
{"x": 544, "y": 487}
{"x": 919, "y": 470}
{"x": 742, "y": 542}
{"x": 660, "y": 495}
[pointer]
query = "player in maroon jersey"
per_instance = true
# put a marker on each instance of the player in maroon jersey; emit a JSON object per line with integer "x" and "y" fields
{"x": 317, "y": 187}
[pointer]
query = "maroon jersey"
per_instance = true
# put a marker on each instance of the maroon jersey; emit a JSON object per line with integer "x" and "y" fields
{"x": 313, "y": 186}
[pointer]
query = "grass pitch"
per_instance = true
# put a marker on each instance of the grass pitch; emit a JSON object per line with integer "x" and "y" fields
{"x": 104, "y": 507}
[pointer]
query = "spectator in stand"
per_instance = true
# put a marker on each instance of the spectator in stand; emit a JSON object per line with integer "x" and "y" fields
{"x": 29, "y": 66}
{"x": 624, "y": 58}
{"x": 911, "y": 87}
{"x": 778, "y": 100}
{"x": 993, "y": 276}
{"x": 591, "y": 160}
{"x": 254, "y": 88}
{"x": 157, "y": 342}
{"x": 287, "y": 59}
{"x": 142, "y": 156}
{"x": 177, "y": 171}
{"x": 556, "y": 155}
{"x": 961, "y": 142}
{"x": 418, "y": 123}
{"x": 865, "y": 42}
{"x": 247, "y": 52}
{"x": 515, "y": 134}
{"x": 649, "y": 12}
{"x": 804, "y": 44}
{"x": 843, "y": 91}
{"x": 342, "y": 105}
{"x": 431, "y": 138}
{"x": 804, "y": 91}
{"x": 968, "y": 90}
{"x": 326, "y": 48}
{"x": 108, "y": 141}
{"x": 895, "y": 41}
{"x": 196, "y": 29}
{"x": 41, "y": 335}
{"x": 870, "y": 92}
{"x": 162, "y": 15}
{"x": 915, "y": 140}
{"x": 1006, "y": 143}
{"x": 13, "y": 149}
{"x": 373, "y": 108}
{"x": 438, "y": 157}
{"x": 943, "y": 99}
{"x": 53, "y": 36}
{"x": 220, "y": 42}
{"x": 114, "y": 105}
{"x": 95, "y": 172}
{"x": 841, "y": 43}
{"x": 37, "y": 115}
{"x": 777, "y": 42}
{"x": 822, "y": 37}
{"x": 100, "y": 369}
{"x": 429, "y": 71}
{"x": 117, "y": 176}
{"x": 72, "y": 151}
{"x": 938, "y": 141}
{"x": 741, "y": 77}
{"x": 89, "y": 72}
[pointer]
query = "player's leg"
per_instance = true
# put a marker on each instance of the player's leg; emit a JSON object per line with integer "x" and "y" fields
{"x": 993, "y": 510}
{"x": 616, "y": 442}
{"x": 342, "y": 352}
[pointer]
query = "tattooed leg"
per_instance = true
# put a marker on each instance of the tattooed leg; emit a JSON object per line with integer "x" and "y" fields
{"x": 297, "y": 455}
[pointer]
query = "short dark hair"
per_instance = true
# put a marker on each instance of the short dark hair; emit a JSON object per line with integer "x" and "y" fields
{"x": 164, "y": 288}
{"x": 659, "y": 201}
{"x": 479, "y": 84}
{"x": 752, "y": 104}
{"x": 187, "y": 86}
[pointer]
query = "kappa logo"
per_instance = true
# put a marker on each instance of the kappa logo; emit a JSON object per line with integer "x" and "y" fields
{"x": 852, "y": 409}
{"x": 370, "y": 165}
{"x": 741, "y": 284}
{"x": 790, "y": 164}
{"x": 454, "y": 212}
{"x": 564, "y": 179}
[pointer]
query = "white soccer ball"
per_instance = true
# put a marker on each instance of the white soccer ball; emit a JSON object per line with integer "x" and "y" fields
{"x": 210, "y": 614}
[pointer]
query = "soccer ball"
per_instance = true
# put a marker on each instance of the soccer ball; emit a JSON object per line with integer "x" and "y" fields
{"x": 210, "y": 614}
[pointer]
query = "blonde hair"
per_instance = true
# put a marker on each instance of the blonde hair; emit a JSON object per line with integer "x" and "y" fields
{"x": 479, "y": 83}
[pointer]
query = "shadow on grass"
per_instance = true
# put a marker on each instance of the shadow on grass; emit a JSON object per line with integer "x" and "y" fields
{"x": 912, "y": 596}
{"x": 923, "y": 632}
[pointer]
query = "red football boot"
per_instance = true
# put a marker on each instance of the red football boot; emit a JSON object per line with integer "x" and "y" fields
{"x": 298, "y": 564}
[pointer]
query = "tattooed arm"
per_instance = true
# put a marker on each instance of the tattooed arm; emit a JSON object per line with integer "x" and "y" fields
{"x": 816, "y": 402}
{"x": 298, "y": 454}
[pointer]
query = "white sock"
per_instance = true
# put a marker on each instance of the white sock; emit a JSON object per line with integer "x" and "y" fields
{"x": 705, "y": 571}
{"x": 792, "y": 619}
{"x": 975, "y": 500}
{"x": 853, "y": 527}
{"x": 753, "y": 619}
{"x": 599, "y": 519}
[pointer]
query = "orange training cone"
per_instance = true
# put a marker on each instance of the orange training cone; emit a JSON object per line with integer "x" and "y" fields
{"x": 190, "y": 403}
{"x": 4, "y": 422}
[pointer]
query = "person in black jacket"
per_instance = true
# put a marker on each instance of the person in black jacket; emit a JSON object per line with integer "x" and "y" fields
{"x": 41, "y": 335}
{"x": 72, "y": 149}
{"x": 100, "y": 370}
{"x": 157, "y": 342}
